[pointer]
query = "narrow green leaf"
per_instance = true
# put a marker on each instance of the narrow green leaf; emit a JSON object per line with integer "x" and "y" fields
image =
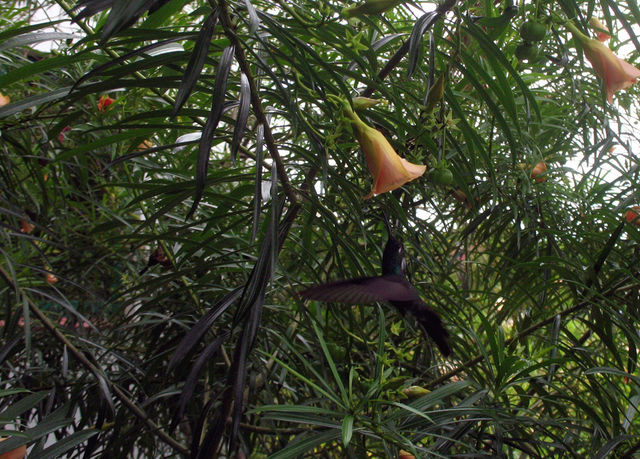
{"x": 305, "y": 442}
{"x": 242, "y": 116}
{"x": 347, "y": 429}
{"x": 254, "y": 20}
{"x": 33, "y": 101}
{"x": 67, "y": 443}
{"x": 196, "y": 62}
{"x": 28, "y": 71}
{"x": 38, "y": 37}
{"x": 159, "y": 16}
{"x": 24, "y": 404}
{"x": 415, "y": 40}
{"x": 212, "y": 123}
{"x": 257, "y": 195}
{"x": 16, "y": 31}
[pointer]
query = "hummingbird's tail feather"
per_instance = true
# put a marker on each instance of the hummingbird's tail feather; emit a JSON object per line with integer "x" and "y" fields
{"x": 432, "y": 325}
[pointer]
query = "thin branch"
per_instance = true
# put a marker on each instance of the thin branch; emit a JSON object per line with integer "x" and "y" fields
{"x": 135, "y": 409}
{"x": 272, "y": 431}
{"x": 256, "y": 103}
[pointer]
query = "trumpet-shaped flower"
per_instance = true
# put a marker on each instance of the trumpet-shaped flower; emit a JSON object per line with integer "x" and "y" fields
{"x": 616, "y": 73}
{"x": 602, "y": 33}
{"x": 4, "y": 100}
{"x": 389, "y": 171}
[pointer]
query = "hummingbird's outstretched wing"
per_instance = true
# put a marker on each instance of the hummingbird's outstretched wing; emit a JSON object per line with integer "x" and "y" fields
{"x": 429, "y": 321}
{"x": 392, "y": 288}
{"x": 389, "y": 287}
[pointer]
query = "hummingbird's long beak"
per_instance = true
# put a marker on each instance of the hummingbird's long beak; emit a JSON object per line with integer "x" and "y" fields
{"x": 386, "y": 222}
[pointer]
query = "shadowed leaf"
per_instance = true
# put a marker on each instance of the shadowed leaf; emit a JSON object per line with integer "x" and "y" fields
{"x": 196, "y": 62}
{"x": 209, "y": 128}
{"x": 241, "y": 118}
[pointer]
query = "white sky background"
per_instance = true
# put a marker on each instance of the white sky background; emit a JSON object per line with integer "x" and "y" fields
{"x": 48, "y": 14}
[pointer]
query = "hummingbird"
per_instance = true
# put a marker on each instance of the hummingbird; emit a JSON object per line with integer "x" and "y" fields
{"x": 392, "y": 286}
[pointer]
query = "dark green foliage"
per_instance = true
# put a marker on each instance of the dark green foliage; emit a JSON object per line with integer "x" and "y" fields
{"x": 129, "y": 331}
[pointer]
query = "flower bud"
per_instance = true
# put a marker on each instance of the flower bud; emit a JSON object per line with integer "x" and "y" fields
{"x": 602, "y": 33}
{"x": 415, "y": 391}
{"x": 539, "y": 171}
{"x": 362, "y": 103}
{"x": 370, "y": 7}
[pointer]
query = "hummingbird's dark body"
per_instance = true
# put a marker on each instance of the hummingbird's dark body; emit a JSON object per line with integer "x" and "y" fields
{"x": 392, "y": 286}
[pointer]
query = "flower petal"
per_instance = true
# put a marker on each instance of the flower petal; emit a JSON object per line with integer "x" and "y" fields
{"x": 389, "y": 170}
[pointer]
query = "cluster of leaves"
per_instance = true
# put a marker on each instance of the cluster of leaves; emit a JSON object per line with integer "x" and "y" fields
{"x": 152, "y": 247}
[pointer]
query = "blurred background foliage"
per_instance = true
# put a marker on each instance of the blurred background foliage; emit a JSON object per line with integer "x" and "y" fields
{"x": 149, "y": 272}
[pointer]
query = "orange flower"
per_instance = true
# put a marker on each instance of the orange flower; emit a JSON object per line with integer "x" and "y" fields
{"x": 104, "y": 102}
{"x": 4, "y": 100}
{"x": 402, "y": 454}
{"x": 616, "y": 73}
{"x": 389, "y": 170}
{"x": 51, "y": 278}
{"x": 602, "y": 33}
{"x": 633, "y": 216}
{"x": 538, "y": 170}
{"x": 145, "y": 145}
{"x": 26, "y": 227}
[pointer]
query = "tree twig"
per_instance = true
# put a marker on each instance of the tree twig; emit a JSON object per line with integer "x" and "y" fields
{"x": 256, "y": 103}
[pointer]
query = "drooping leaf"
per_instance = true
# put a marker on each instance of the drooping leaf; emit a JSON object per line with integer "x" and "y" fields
{"x": 196, "y": 62}
{"x": 195, "y": 334}
{"x": 415, "y": 40}
{"x": 242, "y": 116}
{"x": 209, "y": 128}
{"x": 192, "y": 379}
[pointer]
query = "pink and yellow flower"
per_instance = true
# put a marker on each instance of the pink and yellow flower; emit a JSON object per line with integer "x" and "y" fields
{"x": 616, "y": 73}
{"x": 388, "y": 169}
{"x": 4, "y": 100}
{"x": 601, "y": 30}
